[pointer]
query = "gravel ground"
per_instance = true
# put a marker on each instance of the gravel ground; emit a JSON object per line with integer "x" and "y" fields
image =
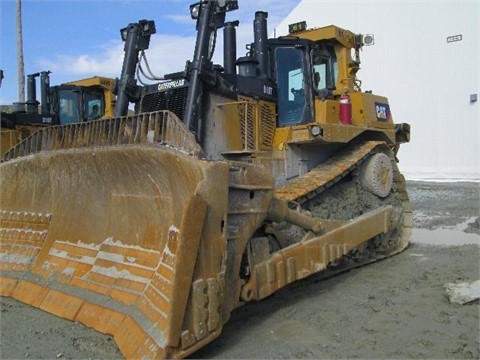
{"x": 396, "y": 308}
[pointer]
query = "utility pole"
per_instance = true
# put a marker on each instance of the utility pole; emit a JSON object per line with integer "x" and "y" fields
{"x": 20, "y": 64}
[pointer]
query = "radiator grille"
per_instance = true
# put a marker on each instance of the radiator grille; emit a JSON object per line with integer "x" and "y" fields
{"x": 257, "y": 121}
{"x": 173, "y": 100}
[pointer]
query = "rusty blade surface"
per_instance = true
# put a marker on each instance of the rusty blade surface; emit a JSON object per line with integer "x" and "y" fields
{"x": 108, "y": 237}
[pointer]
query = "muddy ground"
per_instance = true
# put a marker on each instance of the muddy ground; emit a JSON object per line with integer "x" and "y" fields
{"x": 396, "y": 308}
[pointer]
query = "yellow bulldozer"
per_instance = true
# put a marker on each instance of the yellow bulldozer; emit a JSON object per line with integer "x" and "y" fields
{"x": 75, "y": 101}
{"x": 227, "y": 184}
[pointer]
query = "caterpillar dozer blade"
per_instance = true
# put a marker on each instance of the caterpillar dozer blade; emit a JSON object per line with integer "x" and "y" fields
{"x": 107, "y": 236}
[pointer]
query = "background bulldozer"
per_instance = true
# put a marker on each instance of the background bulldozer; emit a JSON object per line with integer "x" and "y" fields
{"x": 227, "y": 184}
{"x": 75, "y": 101}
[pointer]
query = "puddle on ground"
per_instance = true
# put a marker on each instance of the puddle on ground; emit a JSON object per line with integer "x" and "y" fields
{"x": 444, "y": 237}
{"x": 464, "y": 225}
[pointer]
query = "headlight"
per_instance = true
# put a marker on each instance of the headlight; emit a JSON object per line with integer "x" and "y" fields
{"x": 124, "y": 33}
{"x": 195, "y": 11}
{"x": 315, "y": 130}
{"x": 368, "y": 39}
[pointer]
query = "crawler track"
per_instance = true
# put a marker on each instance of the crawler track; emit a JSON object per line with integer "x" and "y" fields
{"x": 332, "y": 191}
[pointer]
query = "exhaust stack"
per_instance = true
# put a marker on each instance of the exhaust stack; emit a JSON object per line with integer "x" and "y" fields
{"x": 260, "y": 48}
{"x": 44, "y": 91}
{"x": 230, "y": 47}
{"x": 32, "y": 103}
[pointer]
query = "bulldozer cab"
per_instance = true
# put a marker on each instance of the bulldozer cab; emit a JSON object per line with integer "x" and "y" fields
{"x": 75, "y": 103}
{"x": 97, "y": 96}
{"x": 306, "y": 70}
{"x": 83, "y": 100}
{"x": 315, "y": 72}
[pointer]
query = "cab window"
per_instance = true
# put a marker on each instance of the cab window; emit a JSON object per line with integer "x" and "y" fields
{"x": 291, "y": 83}
{"x": 94, "y": 106}
{"x": 325, "y": 69}
{"x": 68, "y": 103}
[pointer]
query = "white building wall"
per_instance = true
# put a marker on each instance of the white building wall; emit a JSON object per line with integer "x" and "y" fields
{"x": 427, "y": 80}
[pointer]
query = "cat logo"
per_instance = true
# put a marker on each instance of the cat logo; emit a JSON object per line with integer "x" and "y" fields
{"x": 383, "y": 112}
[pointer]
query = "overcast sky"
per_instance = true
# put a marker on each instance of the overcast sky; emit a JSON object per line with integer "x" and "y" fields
{"x": 79, "y": 39}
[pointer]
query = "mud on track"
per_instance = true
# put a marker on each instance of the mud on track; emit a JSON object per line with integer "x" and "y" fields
{"x": 396, "y": 308}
